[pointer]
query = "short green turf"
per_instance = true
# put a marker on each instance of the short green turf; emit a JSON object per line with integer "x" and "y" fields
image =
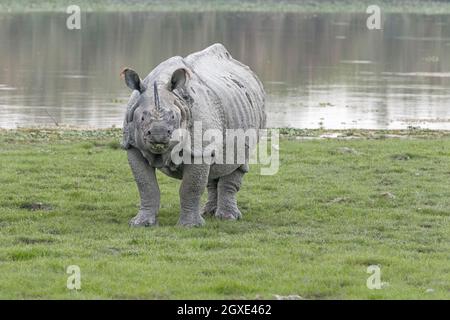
{"x": 335, "y": 207}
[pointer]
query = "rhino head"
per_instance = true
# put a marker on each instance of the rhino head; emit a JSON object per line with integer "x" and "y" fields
{"x": 159, "y": 110}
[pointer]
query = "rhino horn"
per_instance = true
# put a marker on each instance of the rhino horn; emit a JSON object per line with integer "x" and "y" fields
{"x": 156, "y": 95}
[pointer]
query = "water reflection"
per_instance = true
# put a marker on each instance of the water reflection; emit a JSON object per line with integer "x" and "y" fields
{"x": 318, "y": 70}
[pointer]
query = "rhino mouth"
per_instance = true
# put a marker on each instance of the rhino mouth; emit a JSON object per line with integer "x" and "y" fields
{"x": 159, "y": 147}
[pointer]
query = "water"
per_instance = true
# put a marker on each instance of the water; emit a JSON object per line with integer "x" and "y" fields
{"x": 318, "y": 70}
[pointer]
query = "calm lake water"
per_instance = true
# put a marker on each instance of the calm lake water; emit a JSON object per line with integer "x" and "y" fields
{"x": 324, "y": 70}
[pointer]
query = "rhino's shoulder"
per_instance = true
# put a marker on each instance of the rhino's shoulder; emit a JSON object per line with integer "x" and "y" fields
{"x": 216, "y": 59}
{"x": 216, "y": 50}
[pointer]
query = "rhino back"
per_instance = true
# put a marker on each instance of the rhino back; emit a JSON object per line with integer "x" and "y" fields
{"x": 240, "y": 93}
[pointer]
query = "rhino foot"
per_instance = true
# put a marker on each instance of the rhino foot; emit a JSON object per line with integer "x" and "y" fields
{"x": 143, "y": 220}
{"x": 196, "y": 221}
{"x": 233, "y": 214}
{"x": 209, "y": 209}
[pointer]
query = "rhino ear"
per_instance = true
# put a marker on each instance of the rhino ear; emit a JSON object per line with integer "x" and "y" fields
{"x": 132, "y": 80}
{"x": 178, "y": 79}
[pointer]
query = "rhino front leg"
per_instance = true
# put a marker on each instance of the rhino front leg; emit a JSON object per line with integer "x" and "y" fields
{"x": 211, "y": 204}
{"x": 148, "y": 189}
{"x": 227, "y": 188}
{"x": 195, "y": 178}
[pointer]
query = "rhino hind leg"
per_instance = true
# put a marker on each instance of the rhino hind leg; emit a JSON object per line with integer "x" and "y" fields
{"x": 227, "y": 188}
{"x": 210, "y": 206}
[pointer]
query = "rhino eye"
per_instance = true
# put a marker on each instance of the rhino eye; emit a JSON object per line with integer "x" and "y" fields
{"x": 173, "y": 117}
{"x": 142, "y": 118}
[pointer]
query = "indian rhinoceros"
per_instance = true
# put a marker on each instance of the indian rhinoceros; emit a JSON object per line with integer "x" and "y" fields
{"x": 209, "y": 88}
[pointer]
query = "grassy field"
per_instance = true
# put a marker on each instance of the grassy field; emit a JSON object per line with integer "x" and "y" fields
{"x": 335, "y": 207}
{"x": 323, "y": 6}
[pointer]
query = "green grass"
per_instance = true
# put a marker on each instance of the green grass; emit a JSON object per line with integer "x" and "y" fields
{"x": 334, "y": 208}
{"x": 323, "y": 6}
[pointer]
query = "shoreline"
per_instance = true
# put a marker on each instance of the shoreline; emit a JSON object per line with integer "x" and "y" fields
{"x": 68, "y": 133}
{"x": 349, "y": 6}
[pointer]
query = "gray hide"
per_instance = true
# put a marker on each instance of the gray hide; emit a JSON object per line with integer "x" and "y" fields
{"x": 208, "y": 87}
